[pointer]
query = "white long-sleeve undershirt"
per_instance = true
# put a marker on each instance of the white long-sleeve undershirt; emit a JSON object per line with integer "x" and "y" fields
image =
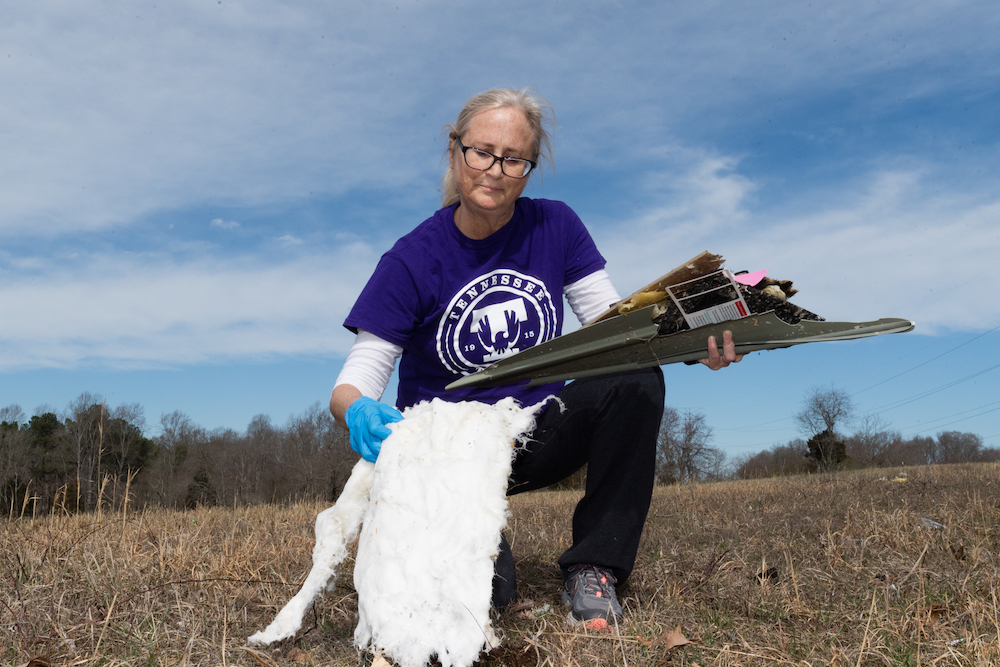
{"x": 370, "y": 362}
{"x": 591, "y": 295}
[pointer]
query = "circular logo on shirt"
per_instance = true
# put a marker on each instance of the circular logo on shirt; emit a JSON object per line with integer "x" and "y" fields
{"x": 494, "y": 316}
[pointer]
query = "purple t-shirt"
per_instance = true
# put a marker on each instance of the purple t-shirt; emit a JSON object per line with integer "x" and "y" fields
{"x": 456, "y": 305}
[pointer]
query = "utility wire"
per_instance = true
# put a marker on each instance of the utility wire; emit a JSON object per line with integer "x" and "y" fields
{"x": 964, "y": 412}
{"x": 934, "y": 428}
{"x": 899, "y": 404}
{"x": 971, "y": 340}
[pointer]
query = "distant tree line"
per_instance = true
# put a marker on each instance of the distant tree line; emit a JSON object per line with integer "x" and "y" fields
{"x": 865, "y": 449}
{"x": 93, "y": 453}
{"x": 872, "y": 445}
{"x": 685, "y": 453}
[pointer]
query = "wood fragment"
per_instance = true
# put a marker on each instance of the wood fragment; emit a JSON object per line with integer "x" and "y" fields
{"x": 641, "y": 300}
{"x": 698, "y": 265}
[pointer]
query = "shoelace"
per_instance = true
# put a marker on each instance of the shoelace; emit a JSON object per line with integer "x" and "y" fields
{"x": 594, "y": 581}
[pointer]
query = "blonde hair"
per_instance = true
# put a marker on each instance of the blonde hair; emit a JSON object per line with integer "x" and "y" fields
{"x": 535, "y": 109}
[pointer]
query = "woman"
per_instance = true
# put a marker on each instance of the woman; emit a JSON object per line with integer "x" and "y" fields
{"x": 482, "y": 279}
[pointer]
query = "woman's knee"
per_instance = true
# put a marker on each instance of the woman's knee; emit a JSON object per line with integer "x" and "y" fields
{"x": 643, "y": 384}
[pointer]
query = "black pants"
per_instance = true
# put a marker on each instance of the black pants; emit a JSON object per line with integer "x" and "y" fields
{"x": 610, "y": 423}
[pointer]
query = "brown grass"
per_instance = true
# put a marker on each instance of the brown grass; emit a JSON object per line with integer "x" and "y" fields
{"x": 819, "y": 570}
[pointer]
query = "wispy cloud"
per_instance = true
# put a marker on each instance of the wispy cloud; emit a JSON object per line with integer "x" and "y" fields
{"x": 889, "y": 249}
{"x": 225, "y": 224}
{"x": 132, "y": 119}
{"x": 208, "y": 115}
{"x": 259, "y": 102}
{"x": 137, "y": 313}
{"x": 894, "y": 246}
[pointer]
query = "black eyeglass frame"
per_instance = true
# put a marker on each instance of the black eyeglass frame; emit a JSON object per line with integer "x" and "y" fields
{"x": 496, "y": 158}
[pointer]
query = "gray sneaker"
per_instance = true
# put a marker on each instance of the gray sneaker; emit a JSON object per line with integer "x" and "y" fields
{"x": 590, "y": 591}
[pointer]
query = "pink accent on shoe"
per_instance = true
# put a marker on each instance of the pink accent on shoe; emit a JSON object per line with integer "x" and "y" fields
{"x": 599, "y": 624}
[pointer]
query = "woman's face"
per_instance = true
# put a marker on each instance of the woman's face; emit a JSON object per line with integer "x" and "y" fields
{"x": 504, "y": 132}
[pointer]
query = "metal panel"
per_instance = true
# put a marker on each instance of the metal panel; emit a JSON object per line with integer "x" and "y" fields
{"x": 632, "y": 341}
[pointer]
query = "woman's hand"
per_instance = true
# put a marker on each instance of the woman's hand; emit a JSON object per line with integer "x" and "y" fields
{"x": 368, "y": 420}
{"x": 715, "y": 361}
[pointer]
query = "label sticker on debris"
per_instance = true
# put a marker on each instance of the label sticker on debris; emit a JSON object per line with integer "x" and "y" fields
{"x": 710, "y": 299}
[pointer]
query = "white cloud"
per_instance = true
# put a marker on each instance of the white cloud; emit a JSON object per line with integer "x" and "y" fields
{"x": 225, "y": 224}
{"x": 115, "y": 113}
{"x": 132, "y": 111}
{"x": 112, "y": 117}
{"x": 889, "y": 249}
{"x": 894, "y": 251}
{"x": 697, "y": 202}
{"x": 138, "y": 312}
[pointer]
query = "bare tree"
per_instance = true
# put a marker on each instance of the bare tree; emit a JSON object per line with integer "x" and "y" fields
{"x": 823, "y": 411}
{"x": 12, "y": 414}
{"x": 683, "y": 453}
{"x": 218, "y": 469}
{"x": 870, "y": 445}
{"x": 666, "y": 454}
{"x": 128, "y": 452}
{"x": 917, "y": 451}
{"x": 85, "y": 441}
{"x": 123, "y": 440}
{"x": 717, "y": 465}
{"x": 316, "y": 453}
{"x": 956, "y": 447}
{"x": 14, "y": 464}
{"x": 787, "y": 459}
{"x": 178, "y": 440}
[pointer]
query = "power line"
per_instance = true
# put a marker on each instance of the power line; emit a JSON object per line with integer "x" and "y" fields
{"x": 949, "y": 385}
{"x": 971, "y": 340}
{"x": 956, "y": 414}
{"x": 934, "y": 428}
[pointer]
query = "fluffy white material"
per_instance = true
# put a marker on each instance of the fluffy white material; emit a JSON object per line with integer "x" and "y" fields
{"x": 424, "y": 569}
{"x": 432, "y": 522}
{"x": 336, "y": 528}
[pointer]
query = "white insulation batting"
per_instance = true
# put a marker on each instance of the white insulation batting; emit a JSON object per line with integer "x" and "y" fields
{"x": 433, "y": 509}
{"x": 424, "y": 569}
{"x": 336, "y": 528}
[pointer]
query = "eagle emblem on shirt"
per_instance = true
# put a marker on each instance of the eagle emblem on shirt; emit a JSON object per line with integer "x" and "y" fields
{"x": 494, "y": 316}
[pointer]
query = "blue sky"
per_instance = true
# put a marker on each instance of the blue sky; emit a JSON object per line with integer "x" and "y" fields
{"x": 194, "y": 192}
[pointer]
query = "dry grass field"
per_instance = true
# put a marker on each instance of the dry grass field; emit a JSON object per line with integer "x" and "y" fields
{"x": 864, "y": 568}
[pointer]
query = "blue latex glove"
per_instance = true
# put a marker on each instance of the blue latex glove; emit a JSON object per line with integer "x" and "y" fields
{"x": 366, "y": 419}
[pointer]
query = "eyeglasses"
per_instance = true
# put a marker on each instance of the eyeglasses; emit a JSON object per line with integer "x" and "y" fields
{"x": 481, "y": 160}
